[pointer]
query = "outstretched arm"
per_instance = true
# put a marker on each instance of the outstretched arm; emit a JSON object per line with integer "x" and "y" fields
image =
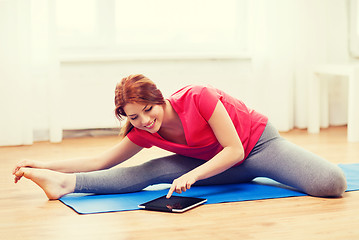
{"x": 231, "y": 154}
{"x": 122, "y": 151}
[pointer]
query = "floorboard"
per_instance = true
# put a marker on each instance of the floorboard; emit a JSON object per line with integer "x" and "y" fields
{"x": 25, "y": 212}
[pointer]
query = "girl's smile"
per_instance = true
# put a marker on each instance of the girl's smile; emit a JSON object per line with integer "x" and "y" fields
{"x": 151, "y": 125}
{"x": 146, "y": 117}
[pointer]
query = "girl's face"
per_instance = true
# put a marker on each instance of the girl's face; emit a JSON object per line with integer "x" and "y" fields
{"x": 145, "y": 117}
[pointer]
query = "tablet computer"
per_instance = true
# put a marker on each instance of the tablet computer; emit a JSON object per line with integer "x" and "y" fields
{"x": 173, "y": 204}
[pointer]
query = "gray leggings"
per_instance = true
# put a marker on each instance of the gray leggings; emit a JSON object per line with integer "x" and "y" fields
{"x": 272, "y": 157}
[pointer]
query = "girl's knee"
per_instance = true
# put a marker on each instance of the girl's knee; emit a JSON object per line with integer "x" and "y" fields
{"x": 333, "y": 185}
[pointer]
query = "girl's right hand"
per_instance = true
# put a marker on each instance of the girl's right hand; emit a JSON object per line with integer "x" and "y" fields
{"x": 26, "y": 163}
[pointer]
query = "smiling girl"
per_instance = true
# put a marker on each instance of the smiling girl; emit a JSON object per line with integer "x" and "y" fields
{"x": 215, "y": 139}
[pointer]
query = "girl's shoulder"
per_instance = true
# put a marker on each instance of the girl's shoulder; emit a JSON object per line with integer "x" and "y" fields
{"x": 192, "y": 90}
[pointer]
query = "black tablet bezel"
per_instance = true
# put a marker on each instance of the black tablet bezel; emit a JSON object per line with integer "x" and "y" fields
{"x": 162, "y": 207}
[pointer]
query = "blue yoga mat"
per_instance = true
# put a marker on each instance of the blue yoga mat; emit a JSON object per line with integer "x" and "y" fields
{"x": 260, "y": 188}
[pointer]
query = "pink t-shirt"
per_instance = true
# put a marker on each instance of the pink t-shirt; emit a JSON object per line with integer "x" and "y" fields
{"x": 195, "y": 105}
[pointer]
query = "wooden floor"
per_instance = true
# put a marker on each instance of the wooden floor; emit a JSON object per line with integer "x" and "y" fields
{"x": 25, "y": 212}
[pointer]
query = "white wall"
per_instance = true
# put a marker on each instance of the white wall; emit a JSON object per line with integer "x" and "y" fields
{"x": 87, "y": 87}
{"x": 338, "y": 52}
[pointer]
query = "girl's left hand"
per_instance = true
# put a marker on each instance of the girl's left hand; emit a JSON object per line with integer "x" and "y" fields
{"x": 181, "y": 184}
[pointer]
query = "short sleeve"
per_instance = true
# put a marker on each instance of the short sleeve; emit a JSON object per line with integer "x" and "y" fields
{"x": 207, "y": 101}
{"x": 137, "y": 137}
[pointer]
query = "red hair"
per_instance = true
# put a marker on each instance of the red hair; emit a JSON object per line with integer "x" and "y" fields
{"x": 135, "y": 89}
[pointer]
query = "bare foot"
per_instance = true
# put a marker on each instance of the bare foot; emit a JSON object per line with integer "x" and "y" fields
{"x": 55, "y": 184}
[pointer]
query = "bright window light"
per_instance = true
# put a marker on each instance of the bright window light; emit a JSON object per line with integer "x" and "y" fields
{"x": 77, "y": 22}
{"x": 153, "y": 27}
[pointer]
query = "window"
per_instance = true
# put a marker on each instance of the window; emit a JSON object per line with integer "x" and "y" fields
{"x": 153, "y": 29}
{"x": 77, "y": 23}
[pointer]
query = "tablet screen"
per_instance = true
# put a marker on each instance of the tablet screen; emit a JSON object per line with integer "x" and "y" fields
{"x": 173, "y": 204}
